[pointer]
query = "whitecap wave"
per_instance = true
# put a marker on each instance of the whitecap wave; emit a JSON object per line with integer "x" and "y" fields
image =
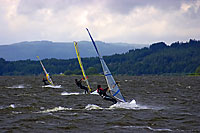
{"x": 118, "y": 105}
{"x": 54, "y": 109}
{"x": 94, "y": 93}
{"x": 12, "y": 106}
{"x": 52, "y": 86}
{"x": 9, "y": 106}
{"x": 159, "y": 129}
{"x": 40, "y": 122}
{"x": 71, "y": 93}
{"x": 127, "y": 105}
{"x": 16, "y": 112}
{"x": 92, "y": 107}
{"x": 16, "y": 86}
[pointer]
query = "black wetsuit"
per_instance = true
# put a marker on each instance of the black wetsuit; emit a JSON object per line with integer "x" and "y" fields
{"x": 102, "y": 93}
{"x": 78, "y": 83}
{"x": 45, "y": 83}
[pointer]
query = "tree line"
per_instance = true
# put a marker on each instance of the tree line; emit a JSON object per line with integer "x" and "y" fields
{"x": 158, "y": 59}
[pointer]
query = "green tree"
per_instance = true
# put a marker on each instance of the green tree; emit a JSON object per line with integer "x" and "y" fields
{"x": 159, "y": 58}
{"x": 91, "y": 70}
{"x": 68, "y": 72}
{"x": 77, "y": 72}
{"x": 197, "y": 70}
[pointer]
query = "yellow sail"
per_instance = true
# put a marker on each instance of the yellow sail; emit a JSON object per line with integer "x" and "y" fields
{"x": 46, "y": 73}
{"x": 81, "y": 65}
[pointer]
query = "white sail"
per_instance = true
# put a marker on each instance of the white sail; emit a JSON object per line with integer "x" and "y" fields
{"x": 108, "y": 76}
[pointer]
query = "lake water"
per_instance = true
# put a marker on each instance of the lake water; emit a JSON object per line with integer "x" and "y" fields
{"x": 154, "y": 104}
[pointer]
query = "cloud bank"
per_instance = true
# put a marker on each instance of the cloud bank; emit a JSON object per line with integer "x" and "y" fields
{"x": 129, "y": 21}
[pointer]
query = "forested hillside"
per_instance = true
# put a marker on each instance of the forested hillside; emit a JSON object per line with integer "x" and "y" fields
{"x": 159, "y": 58}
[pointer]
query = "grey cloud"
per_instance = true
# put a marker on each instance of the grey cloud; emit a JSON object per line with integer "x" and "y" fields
{"x": 193, "y": 13}
{"x": 113, "y": 6}
{"x": 125, "y": 6}
{"x": 64, "y": 19}
{"x": 31, "y": 6}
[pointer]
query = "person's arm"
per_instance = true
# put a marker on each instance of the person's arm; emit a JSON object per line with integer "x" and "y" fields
{"x": 83, "y": 79}
{"x": 98, "y": 90}
{"x": 106, "y": 89}
{"x": 80, "y": 81}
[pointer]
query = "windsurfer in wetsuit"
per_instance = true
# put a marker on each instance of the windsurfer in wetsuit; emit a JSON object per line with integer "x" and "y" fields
{"x": 102, "y": 93}
{"x": 79, "y": 84}
{"x": 45, "y": 81}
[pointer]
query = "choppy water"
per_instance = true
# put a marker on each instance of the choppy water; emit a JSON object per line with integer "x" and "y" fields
{"x": 155, "y": 104}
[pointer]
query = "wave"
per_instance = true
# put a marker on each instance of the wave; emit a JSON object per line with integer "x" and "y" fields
{"x": 71, "y": 93}
{"x": 14, "y": 108}
{"x": 19, "y": 86}
{"x": 78, "y": 93}
{"x": 25, "y": 94}
{"x": 147, "y": 127}
{"x": 118, "y": 105}
{"x": 94, "y": 93}
{"x": 9, "y": 106}
{"x": 52, "y": 86}
{"x": 128, "y": 105}
{"x": 92, "y": 107}
{"x": 54, "y": 109}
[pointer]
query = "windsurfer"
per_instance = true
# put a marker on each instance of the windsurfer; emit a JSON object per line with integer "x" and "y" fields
{"x": 102, "y": 93}
{"x": 79, "y": 84}
{"x": 45, "y": 81}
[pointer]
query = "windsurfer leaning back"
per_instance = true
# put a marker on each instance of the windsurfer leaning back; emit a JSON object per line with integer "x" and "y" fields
{"x": 102, "y": 93}
{"x": 79, "y": 84}
{"x": 45, "y": 81}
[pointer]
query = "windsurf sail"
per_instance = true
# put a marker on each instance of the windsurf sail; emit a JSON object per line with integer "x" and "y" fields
{"x": 46, "y": 73}
{"x": 108, "y": 76}
{"x": 81, "y": 65}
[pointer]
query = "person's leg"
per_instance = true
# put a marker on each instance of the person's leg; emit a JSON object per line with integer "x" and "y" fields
{"x": 85, "y": 88}
{"x": 114, "y": 100}
{"x": 110, "y": 99}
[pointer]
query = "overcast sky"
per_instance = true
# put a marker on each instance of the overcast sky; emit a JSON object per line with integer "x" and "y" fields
{"x": 130, "y": 21}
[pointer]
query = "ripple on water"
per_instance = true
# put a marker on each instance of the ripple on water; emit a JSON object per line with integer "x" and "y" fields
{"x": 161, "y": 105}
{"x": 146, "y": 127}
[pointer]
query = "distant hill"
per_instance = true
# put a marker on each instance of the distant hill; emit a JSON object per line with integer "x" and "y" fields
{"x": 158, "y": 59}
{"x": 59, "y": 50}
